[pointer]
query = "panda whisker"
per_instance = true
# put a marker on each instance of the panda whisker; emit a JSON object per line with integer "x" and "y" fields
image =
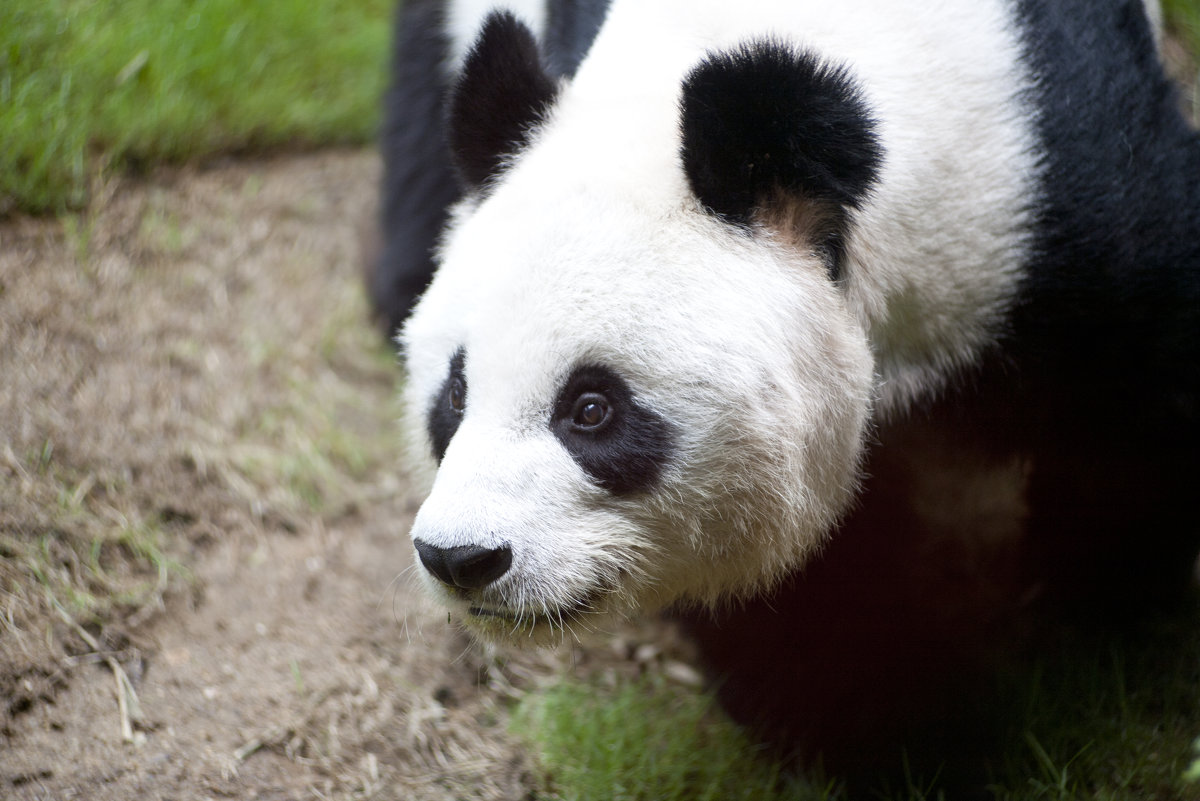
{"x": 464, "y": 653}
{"x": 404, "y": 578}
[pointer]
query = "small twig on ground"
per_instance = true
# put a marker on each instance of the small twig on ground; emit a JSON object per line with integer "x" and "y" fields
{"x": 279, "y": 734}
{"x": 274, "y": 735}
{"x": 128, "y": 706}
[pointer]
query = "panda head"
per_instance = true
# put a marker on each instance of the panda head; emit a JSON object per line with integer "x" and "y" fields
{"x": 634, "y": 380}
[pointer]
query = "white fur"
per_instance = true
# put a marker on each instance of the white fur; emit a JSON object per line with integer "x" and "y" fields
{"x": 591, "y": 248}
{"x": 1155, "y": 14}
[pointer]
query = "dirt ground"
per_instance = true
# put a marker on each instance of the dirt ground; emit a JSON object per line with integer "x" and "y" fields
{"x": 201, "y": 491}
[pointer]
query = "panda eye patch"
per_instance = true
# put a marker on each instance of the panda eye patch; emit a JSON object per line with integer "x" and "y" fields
{"x": 447, "y": 406}
{"x": 592, "y": 412}
{"x": 621, "y": 444}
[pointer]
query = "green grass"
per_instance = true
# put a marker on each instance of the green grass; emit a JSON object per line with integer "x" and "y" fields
{"x": 1183, "y": 17}
{"x": 88, "y": 86}
{"x": 649, "y": 741}
{"x": 1107, "y": 720}
{"x": 1092, "y": 719}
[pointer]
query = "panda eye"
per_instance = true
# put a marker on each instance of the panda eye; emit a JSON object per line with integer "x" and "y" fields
{"x": 591, "y": 412}
{"x": 622, "y": 445}
{"x": 456, "y": 394}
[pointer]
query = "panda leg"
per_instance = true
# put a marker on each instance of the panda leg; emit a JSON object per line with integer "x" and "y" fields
{"x": 418, "y": 181}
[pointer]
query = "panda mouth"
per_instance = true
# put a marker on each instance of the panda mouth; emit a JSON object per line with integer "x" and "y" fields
{"x": 479, "y": 611}
{"x": 558, "y": 617}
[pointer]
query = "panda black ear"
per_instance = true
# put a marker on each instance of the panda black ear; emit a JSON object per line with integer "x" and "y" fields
{"x": 764, "y": 119}
{"x": 501, "y": 94}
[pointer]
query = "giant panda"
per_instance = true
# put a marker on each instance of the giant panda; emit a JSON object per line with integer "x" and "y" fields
{"x": 843, "y": 330}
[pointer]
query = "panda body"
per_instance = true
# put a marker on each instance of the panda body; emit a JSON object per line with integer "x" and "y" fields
{"x": 728, "y": 275}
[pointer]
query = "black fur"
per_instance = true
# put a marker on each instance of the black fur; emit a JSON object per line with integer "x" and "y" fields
{"x": 443, "y": 419}
{"x": 630, "y": 452}
{"x": 1105, "y": 337}
{"x": 766, "y": 118}
{"x": 571, "y": 25}
{"x": 418, "y": 182}
{"x": 502, "y": 94}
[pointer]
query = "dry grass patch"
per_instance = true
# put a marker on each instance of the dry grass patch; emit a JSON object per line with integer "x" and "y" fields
{"x": 177, "y": 367}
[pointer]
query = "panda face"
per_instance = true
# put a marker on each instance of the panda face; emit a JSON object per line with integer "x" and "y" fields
{"x": 623, "y": 416}
{"x": 682, "y": 281}
{"x": 629, "y": 384}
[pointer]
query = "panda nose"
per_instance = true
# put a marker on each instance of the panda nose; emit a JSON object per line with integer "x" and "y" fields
{"x": 471, "y": 567}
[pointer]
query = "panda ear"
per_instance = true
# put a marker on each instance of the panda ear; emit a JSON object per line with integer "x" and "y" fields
{"x": 765, "y": 119}
{"x": 502, "y": 92}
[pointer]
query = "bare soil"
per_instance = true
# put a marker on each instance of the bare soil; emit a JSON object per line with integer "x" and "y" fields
{"x": 202, "y": 490}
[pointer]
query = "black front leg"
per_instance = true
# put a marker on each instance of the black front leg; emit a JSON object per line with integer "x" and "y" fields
{"x": 418, "y": 182}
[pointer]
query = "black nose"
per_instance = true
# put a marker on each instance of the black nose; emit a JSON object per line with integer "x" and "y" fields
{"x": 471, "y": 567}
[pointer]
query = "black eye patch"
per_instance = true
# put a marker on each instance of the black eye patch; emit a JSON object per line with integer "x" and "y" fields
{"x": 622, "y": 445}
{"x": 447, "y": 406}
